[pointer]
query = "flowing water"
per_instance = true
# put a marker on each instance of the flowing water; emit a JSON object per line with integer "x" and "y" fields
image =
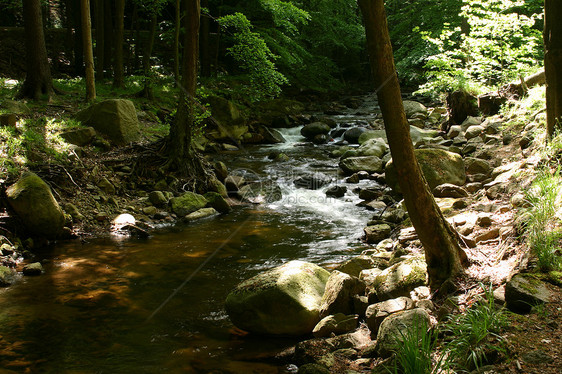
{"x": 121, "y": 305}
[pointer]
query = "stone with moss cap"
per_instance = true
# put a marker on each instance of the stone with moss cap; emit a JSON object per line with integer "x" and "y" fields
{"x": 187, "y": 203}
{"x": 32, "y": 200}
{"x": 400, "y": 279}
{"x": 282, "y": 301}
{"x": 524, "y": 291}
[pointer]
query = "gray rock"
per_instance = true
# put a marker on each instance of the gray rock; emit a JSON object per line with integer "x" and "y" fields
{"x": 157, "y": 198}
{"x": 370, "y": 164}
{"x": 537, "y": 357}
{"x": 413, "y": 107}
{"x": 74, "y": 212}
{"x": 16, "y": 107}
{"x": 376, "y": 313}
{"x": 221, "y": 171}
{"x": 271, "y": 136}
{"x": 400, "y": 279}
{"x": 470, "y": 121}
{"x": 438, "y": 166}
{"x": 352, "y": 135}
{"x": 523, "y": 292}
{"x": 201, "y": 213}
{"x": 454, "y": 131}
{"x": 355, "y": 265}
{"x": 233, "y": 183}
{"x": 79, "y": 136}
{"x": 33, "y": 202}
{"x": 449, "y": 190}
{"x": 281, "y": 301}
{"x": 7, "y": 276}
{"x": 372, "y": 147}
{"x": 395, "y": 326}
{"x": 337, "y": 324}
{"x": 336, "y": 191}
{"x": 473, "y": 132}
{"x": 216, "y": 201}
{"x": 316, "y": 128}
{"x": 377, "y": 233}
{"x": 339, "y": 292}
{"x": 33, "y": 269}
{"x": 114, "y": 118}
{"x": 477, "y": 166}
{"x": 187, "y": 203}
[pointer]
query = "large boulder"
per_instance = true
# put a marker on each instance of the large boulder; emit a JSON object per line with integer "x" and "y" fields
{"x": 187, "y": 203}
{"x": 373, "y": 147}
{"x": 352, "y": 135}
{"x": 337, "y": 324}
{"x": 523, "y": 292}
{"x": 228, "y": 121}
{"x": 395, "y": 327}
{"x": 413, "y": 107}
{"x": 438, "y": 167}
{"x": 282, "y": 301}
{"x": 32, "y": 200}
{"x": 79, "y": 136}
{"x": 114, "y": 118}
{"x": 376, "y": 313}
{"x": 400, "y": 279}
{"x": 339, "y": 292}
{"x": 370, "y": 164}
{"x": 315, "y": 128}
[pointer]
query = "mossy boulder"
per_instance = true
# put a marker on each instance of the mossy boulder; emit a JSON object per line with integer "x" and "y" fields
{"x": 187, "y": 203}
{"x": 15, "y": 107}
{"x": 215, "y": 200}
{"x": 315, "y": 128}
{"x": 32, "y": 200}
{"x": 79, "y": 136}
{"x": 370, "y": 164}
{"x": 438, "y": 167}
{"x": 282, "y": 301}
{"x": 524, "y": 291}
{"x": 394, "y": 327}
{"x": 7, "y": 276}
{"x": 413, "y": 108}
{"x": 400, "y": 279}
{"x": 115, "y": 118}
{"x": 228, "y": 121}
{"x": 339, "y": 293}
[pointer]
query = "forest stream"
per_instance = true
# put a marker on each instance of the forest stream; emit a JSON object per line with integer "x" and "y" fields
{"x": 124, "y": 305}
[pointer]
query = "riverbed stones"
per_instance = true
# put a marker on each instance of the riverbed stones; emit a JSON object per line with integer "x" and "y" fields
{"x": 339, "y": 292}
{"x": 282, "y": 301}
{"x": 449, "y": 190}
{"x": 413, "y": 108}
{"x": 376, "y": 313}
{"x": 356, "y": 264}
{"x": 336, "y": 191}
{"x": 32, "y": 269}
{"x": 200, "y": 213}
{"x": 370, "y": 164}
{"x": 477, "y": 166}
{"x": 394, "y": 327}
{"x": 376, "y": 233}
{"x": 216, "y": 201}
{"x": 372, "y": 147}
{"x": 338, "y": 324}
{"x": 187, "y": 203}
{"x": 32, "y": 200}
{"x": 114, "y": 118}
{"x": 523, "y": 292}
{"x": 157, "y": 198}
{"x": 7, "y": 276}
{"x": 352, "y": 135}
{"x": 311, "y": 130}
{"x": 438, "y": 166}
{"x": 400, "y": 279}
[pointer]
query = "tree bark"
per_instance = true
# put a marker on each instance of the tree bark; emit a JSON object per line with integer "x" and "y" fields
{"x": 38, "y": 75}
{"x": 181, "y": 152}
{"x": 88, "y": 50}
{"x": 443, "y": 254}
{"x": 177, "y": 43}
{"x": 100, "y": 39}
{"x": 552, "y": 63}
{"x": 118, "y": 68}
{"x": 204, "y": 46}
{"x": 108, "y": 35}
{"x": 147, "y": 90}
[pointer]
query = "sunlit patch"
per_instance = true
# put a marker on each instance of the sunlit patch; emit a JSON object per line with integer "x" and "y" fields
{"x": 11, "y": 83}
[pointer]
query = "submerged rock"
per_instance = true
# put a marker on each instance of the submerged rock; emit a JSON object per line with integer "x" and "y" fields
{"x": 35, "y": 205}
{"x": 282, "y": 301}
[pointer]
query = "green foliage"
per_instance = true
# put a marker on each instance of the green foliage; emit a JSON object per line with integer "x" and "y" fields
{"x": 475, "y": 333}
{"x": 252, "y": 54}
{"x": 498, "y": 43}
{"x": 413, "y": 354}
{"x": 543, "y": 219}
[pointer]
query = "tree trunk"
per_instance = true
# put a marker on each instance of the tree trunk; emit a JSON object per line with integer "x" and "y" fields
{"x": 136, "y": 22}
{"x": 78, "y": 44}
{"x": 552, "y": 63}
{"x": 108, "y": 35}
{"x": 177, "y": 43}
{"x": 38, "y": 75}
{"x": 147, "y": 90}
{"x": 88, "y": 50}
{"x": 204, "y": 46}
{"x": 100, "y": 38}
{"x": 118, "y": 68}
{"x": 443, "y": 254}
{"x": 181, "y": 153}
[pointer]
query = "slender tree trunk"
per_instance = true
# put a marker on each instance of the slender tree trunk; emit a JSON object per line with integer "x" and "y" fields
{"x": 138, "y": 44}
{"x": 552, "y": 63}
{"x": 177, "y": 43}
{"x": 108, "y": 35}
{"x": 78, "y": 45}
{"x": 88, "y": 50}
{"x": 443, "y": 254}
{"x": 118, "y": 68}
{"x": 100, "y": 38}
{"x": 181, "y": 132}
{"x": 204, "y": 47}
{"x": 147, "y": 90}
{"x": 38, "y": 75}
